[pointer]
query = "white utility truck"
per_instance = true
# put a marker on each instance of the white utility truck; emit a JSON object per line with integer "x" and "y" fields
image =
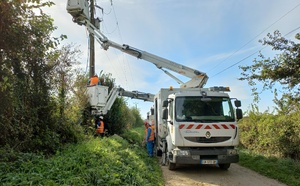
{"x": 193, "y": 125}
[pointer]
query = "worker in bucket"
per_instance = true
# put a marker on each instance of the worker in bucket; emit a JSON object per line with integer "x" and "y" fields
{"x": 94, "y": 80}
{"x": 100, "y": 126}
{"x": 150, "y": 140}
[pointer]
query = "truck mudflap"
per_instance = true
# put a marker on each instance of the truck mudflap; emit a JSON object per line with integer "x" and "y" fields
{"x": 204, "y": 156}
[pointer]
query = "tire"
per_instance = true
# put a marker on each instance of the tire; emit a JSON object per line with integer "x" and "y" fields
{"x": 172, "y": 166}
{"x": 163, "y": 159}
{"x": 224, "y": 166}
{"x": 158, "y": 152}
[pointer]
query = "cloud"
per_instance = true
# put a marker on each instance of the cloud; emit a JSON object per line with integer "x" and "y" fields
{"x": 198, "y": 34}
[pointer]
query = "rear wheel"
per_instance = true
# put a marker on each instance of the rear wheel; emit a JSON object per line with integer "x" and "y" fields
{"x": 164, "y": 150}
{"x": 224, "y": 166}
{"x": 158, "y": 152}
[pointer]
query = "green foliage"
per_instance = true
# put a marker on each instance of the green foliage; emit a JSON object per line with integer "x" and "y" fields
{"x": 116, "y": 119}
{"x": 135, "y": 135}
{"x": 105, "y": 161}
{"x": 31, "y": 109}
{"x": 137, "y": 118}
{"x": 284, "y": 170}
{"x": 120, "y": 118}
{"x": 43, "y": 96}
{"x": 107, "y": 80}
{"x": 272, "y": 135}
{"x": 282, "y": 70}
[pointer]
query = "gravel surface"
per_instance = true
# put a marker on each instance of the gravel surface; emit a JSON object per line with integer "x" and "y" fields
{"x": 196, "y": 175}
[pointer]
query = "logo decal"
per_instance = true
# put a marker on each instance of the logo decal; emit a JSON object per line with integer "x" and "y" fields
{"x": 207, "y": 135}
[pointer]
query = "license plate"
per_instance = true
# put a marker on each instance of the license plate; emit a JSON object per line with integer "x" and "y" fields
{"x": 210, "y": 162}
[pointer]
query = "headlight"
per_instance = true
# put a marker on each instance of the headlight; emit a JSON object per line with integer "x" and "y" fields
{"x": 231, "y": 152}
{"x": 178, "y": 152}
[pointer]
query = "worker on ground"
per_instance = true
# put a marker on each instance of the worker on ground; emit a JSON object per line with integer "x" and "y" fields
{"x": 100, "y": 126}
{"x": 150, "y": 140}
{"x": 94, "y": 80}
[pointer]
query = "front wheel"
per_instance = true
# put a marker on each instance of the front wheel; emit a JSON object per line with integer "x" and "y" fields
{"x": 172, "y": 166}
{"x": 164, "y": 159}
{"x": 224, "y": 166}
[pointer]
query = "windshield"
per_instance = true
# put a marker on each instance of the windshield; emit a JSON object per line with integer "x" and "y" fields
{"x": 198, "y": 109}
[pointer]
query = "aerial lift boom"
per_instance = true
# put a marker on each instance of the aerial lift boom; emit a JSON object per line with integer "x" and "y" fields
{"x": 79, "y": 12}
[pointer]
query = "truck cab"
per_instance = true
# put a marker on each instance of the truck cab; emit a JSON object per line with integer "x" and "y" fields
{"x": 201, "y": 127}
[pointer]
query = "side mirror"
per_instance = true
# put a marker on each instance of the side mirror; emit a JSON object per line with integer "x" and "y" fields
{"x": 165, "y": 103}
{"x": 237, "y": 103}
{"x": 152, "y": 111}
{"x": 239, "y": 113}
{"x": 165, "y": 113}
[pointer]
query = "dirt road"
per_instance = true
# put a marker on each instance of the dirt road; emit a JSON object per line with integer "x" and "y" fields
{"x": 213, "y": 176}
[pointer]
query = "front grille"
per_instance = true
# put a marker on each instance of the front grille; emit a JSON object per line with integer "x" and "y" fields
{"x": 205, "y": 140}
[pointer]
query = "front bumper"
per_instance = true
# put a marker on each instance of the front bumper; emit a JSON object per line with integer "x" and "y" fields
{"x": 194, "y": 156}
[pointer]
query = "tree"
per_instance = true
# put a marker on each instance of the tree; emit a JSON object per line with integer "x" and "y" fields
{"x": 63, "y": 74}
{"x": 137, "y": 119}
{"x": 283, "y": 69}
{"x": 268, "y": 133}
{"x": 28, "y": 110}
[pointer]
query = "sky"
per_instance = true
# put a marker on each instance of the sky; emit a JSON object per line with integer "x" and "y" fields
{"x": 212, "y": 36}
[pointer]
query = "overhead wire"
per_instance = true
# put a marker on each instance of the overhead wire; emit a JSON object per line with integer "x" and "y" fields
{"x": 111, "y": 32}
{"x": 114, "y": 51}
{"x": 129, "y": 66}
{"x": 252, "y": 54}
{"x": 251, "y": 41}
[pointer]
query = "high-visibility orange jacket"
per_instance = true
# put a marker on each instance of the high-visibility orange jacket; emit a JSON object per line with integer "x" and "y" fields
{"x": 100, "y": 129}
{"x": 94, "y": 80}
{"x": 150, "y": 134}
{"x": 153, "y": 127}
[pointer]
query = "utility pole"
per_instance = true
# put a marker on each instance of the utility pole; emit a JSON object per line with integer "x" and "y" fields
{"x": 92, "y": 40}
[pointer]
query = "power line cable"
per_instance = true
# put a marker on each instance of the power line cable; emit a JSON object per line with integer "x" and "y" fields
{"x": 292, "y": 31}
{"x": 252, "y": 54}
{"x": 126, "y": 61}
{"x": 111, "y": 32}
{"x": 252, "y": 40}
{"x": 256, "y": 36}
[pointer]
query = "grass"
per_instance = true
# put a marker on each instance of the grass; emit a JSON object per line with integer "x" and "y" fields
{"x": 96, "y": 161}
{"x": 284, "y": 170}
{"x": 116, "y": 161}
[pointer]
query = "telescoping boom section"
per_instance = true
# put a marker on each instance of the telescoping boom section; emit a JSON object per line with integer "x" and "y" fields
{"x": 79, "y": 11}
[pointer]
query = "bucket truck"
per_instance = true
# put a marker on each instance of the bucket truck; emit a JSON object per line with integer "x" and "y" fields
{"x": 193, "y": 125}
